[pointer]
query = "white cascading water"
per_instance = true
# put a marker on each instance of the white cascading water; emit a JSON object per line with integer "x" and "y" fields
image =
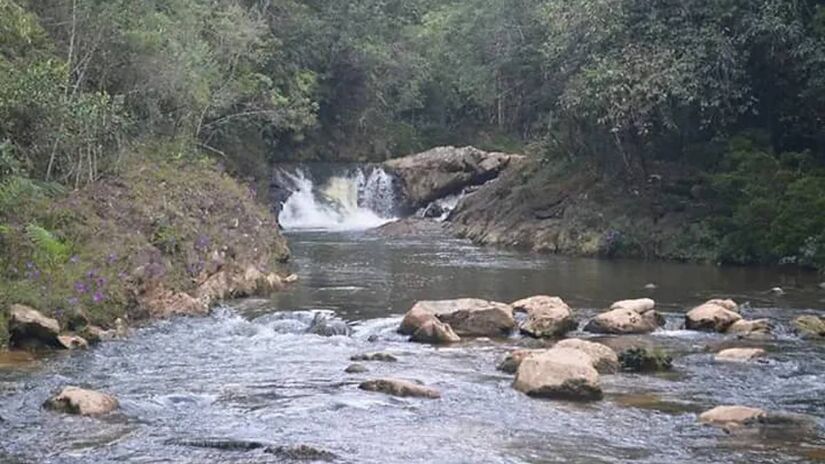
{"x": 362, "y": 199}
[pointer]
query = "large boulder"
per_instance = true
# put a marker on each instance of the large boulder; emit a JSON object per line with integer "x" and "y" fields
{"x": 30, "y": 328}
{"x": 444, "y": 171}
{"x": 712, "y": 316}
{"x": 513, "y": 359}
{"x": 398, "y": 387}
{"x": 640, "y": 305}
{"x": 559, "y": 373}
{"x": 547, "y": 316}
{"x": 620, "y": 321}
{"x": 435, "y": 332}
{"x": 74, "y": 400}
{"x": 466, "y": 316}
{"x": 809, "y": 326}
{"x": 732, "y": 416}
{"x": 740, "y": 354}
{"x": 605, "y": 360}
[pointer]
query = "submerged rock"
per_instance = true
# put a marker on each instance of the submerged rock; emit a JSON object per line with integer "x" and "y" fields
{"x": 401, "y": 388}
{"x": 466, "y": 316}
{"x": 559, "y": 373}
{"x": 605, "y": 360}
{"x": 809, "y": 326}
{"x": 645, "y": 360}
{"x": 620, "y": 321}
{"x": 301, "y": 453}
{"x": 328, "y": 327}
{"x": 30, "y": 328}
{"x": 547, "y": 316}
{"x": 713, "y": 316}
{"x": 356, "y": 369}
{"x": 74, "y": 400}
{"x": 435, "y": 332}
{"x": 740, "y": 354}
{"x": 371, "y": 357}
{"x": 732, "y": 416}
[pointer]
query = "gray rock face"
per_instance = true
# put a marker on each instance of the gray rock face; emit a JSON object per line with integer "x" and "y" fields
{"x": 444, "y": 171}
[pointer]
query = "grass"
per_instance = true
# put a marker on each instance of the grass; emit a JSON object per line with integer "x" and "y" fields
{"x": 164, "y": 221}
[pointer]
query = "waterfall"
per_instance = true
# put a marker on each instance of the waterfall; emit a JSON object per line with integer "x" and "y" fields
{"x": 360, "y": 198}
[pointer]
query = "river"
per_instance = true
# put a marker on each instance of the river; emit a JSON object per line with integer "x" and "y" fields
{"x": 251, "y": 373}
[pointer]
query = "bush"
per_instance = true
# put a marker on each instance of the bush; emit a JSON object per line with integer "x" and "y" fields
{"x": 768, "y": 207}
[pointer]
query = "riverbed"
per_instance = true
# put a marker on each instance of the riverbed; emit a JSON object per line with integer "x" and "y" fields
{"x": 251, "y": 373}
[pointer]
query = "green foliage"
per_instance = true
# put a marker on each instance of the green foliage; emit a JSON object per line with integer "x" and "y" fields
{"x": 768, "y": 206}
{"x": 49, "y": 251}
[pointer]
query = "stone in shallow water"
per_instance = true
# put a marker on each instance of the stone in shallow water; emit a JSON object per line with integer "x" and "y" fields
{"x": 712, "y": 316}
{"x": 356, "y": 369}
{"x": 435, "y": 332}
{"x": 645, "y": 360}
{"x": 740, "y": 354}
{"x": 513, "y": 360}
{"x": 620, "y": 321}
{"x": 74, "y": 400}
{"x": 398, "y": 387}
{"x": 30, "y": 328}
{"x": 72, "y": 342}
{"x": 559, "y": 373}
{"x": 466, "y": 316}
{"x": 370, "y": 357}
{"x": 809, "y": 326}
{"x": 731, "y": 415}
{"x": 605, "y": 360}
{"x": 547, "y": 316}
{"x": 328, "y": 327}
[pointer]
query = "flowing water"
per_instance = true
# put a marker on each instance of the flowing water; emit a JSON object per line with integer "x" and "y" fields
{"x": 250, "y": 372}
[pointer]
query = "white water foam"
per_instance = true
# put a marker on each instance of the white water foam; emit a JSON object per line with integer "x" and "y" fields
{"x": 358, "y": 200}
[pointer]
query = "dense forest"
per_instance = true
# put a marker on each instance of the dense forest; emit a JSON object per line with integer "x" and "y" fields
{"x": 732, "y": 89}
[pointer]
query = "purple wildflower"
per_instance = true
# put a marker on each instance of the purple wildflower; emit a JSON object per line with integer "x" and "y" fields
{"x": 80, "y": 287}
{"x": 202, "y": 243}
{"x": 101, "y": 282}
{"x": 91, "y": 274}
{"x": 111, "y": 258}
{"x": 73, "y": 301}
{"x": 98, "y": 297}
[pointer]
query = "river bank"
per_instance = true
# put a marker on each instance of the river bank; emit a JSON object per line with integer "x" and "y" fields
{"x": 163, "y": 237}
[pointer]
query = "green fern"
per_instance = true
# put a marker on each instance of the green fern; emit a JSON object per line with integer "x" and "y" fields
{"x": 15, "y": 190}
{"x": 49, "y": 250}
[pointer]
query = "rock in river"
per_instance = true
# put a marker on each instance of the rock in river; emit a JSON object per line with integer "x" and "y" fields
{"x": 72, "y": 342}
{"x": 559, "y": 373}
{"x": 398, "y": 387}
{"x": 546, "y": 316}
{"x": 436, "y": 333}
{"x": 620, "y": 321}
{"x": 809, "y": 326}
{"x": 356, "y": 369}
{"x": 740, "y": 354}
{"x": 731, "y": 415}
{"x": 74, "y": 400}
{"x": 713, "y": 316}
{"x": 368, "y": 357}
{"x": 326, "y": 326}
{"x": 513, "y": 360}
{"x": 466, "y": 316}
{"x": 605, "y": 360}
{"x": 29, "y": 327}
{"x": 751, "y": 329}
{"x": 443, "y": 171}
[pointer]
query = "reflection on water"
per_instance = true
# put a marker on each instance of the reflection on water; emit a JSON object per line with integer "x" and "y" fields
{"x": 250, "y": 372}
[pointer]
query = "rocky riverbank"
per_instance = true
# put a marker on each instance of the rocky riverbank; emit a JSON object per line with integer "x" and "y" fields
{"x": 162, "y": 238}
